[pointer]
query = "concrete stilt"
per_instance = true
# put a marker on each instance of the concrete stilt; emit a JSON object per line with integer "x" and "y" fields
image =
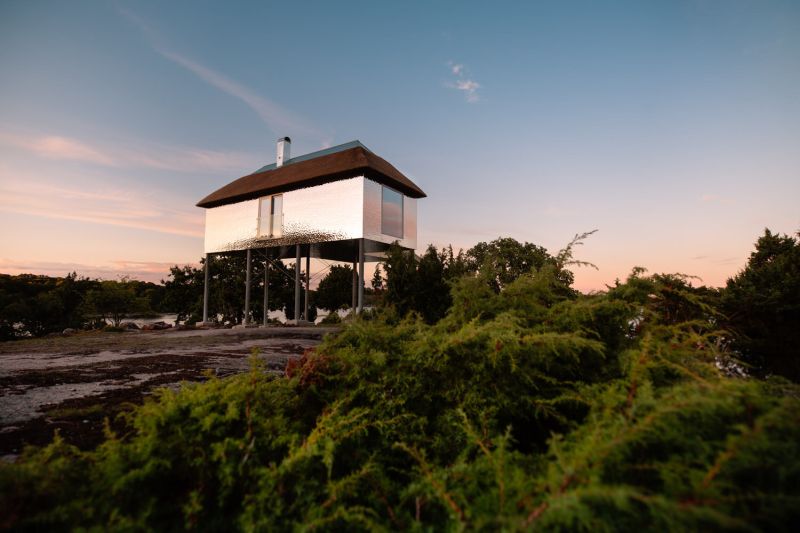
{"x": 205, "y": 290}
{"x": 248, "y": 274}
{"x": 360, "y": 275}
{"x": 297, "y": 283}
{"x": 355, "y": 287}
{"x": 266, "y": 289}
{"x": 308, "y": 282}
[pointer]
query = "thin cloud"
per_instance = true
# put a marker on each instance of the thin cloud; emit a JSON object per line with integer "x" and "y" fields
{"x": 132, "y": 154}
{"x": 278, "y": 119}
{"x": 463, "y": 83}
{"x": 57, "y": 147}
{"x": 106, "y": 206}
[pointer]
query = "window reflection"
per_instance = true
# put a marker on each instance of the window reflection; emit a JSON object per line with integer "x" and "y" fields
{"x": 270, "y": 216}
{"x": 392, "y": 213}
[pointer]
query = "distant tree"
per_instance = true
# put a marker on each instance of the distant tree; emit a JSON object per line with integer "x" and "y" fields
{"x": 432, "y": 291}
{"x": 505, "y": 259}
{"x": 335, "y": 291}
{"x": 112, "y": 301}
{"x": 32, "y": 305}
{"x": 182, "y": 292}
{"x": 421, "y": 284}
{"x": 377, "y": 279}
{"x": 762, "y": 304}
{"x": 401, "y": 279}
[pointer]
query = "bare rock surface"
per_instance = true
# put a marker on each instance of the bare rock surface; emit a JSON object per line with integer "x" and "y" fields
{"x": 73, "y": 383}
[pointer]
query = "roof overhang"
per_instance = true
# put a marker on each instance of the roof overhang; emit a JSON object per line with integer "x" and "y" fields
{"x": 352, "y": 162}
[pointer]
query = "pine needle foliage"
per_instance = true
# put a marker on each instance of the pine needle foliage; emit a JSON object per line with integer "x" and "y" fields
{"x": 529, "y": 407}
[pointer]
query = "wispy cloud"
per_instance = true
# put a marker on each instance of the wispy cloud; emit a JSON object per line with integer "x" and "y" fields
{"x": 56, "y": 147}
{"x": 95, "y": 203}
{"x": 280, "y": 120}
{"x": 717, "y": 260}
{"x": 131, "y": 154}
{"x": 463, "y": 82}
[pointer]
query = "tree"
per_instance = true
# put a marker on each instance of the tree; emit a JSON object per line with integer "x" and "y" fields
{"x": 505, "y": 259}
{"x": 112, "y": 301}
{"x": 421, "y": 284}
{"x": 762, "y": 304}
{"x": 182, "y": 293}
{"x": 377, "y": 279}
{"x": 335, "y": 291}
{"x": 401, "y": 279}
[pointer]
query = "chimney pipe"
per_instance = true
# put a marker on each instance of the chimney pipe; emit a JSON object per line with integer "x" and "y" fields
{"x": 284, "y": 151}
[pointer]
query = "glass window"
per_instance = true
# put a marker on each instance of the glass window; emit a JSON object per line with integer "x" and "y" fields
{"x": 392, "y": 213}
{"x": 270, "y": 216}
{"x": 277, "y": 216}
{"x": 264, "y": 217}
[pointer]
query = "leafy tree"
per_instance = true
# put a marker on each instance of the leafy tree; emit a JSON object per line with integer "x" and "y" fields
{"x": 183, "y": 291}
{"x": 505, "y": 259}
{"x": 227, "y": 288}
{"x": 423, "y": 284}
{"x": 762, "y": 303}
{"x": 335, "y": 290}
{"x": 37, "y": 305}
{"x": 112, "y": 301}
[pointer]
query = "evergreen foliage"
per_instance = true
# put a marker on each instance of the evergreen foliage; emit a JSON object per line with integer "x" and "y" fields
{"x": 762, "y": 304}
{"x": 526, "y": 406}
{"x": 335, "y": 290}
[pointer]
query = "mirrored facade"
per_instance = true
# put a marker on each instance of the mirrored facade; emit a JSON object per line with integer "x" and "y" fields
{"x": 338, "y": 211}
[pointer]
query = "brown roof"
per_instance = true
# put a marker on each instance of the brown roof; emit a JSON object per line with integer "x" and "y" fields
{"x": 339, "y": 165}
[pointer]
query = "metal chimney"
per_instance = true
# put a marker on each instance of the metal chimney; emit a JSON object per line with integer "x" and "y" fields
{"x": 284, "y": 151}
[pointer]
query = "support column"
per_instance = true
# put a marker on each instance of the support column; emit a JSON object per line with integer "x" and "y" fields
{"x": 205, "y": 290}
{"x": 355, "y": 286}
{"x": 297, "y": 282}
{"x": 360, "y": 275}
{"x": 266, "y": 288}
{"x": 308, "y": 281}
{"x": 246, "y": 320}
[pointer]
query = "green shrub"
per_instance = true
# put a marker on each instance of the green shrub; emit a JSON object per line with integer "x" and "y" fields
{"x": 530, "y": 407}
{"x": 331, "y": 318}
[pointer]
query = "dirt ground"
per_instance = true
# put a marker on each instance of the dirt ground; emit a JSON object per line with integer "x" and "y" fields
{"x": 73, "y": 383}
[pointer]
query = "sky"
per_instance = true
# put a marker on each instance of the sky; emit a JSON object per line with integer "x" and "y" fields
{"x": 671, "y": 127}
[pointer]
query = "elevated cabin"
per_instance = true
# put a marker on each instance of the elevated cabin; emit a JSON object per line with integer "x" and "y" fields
{"x": 342, "y": 204}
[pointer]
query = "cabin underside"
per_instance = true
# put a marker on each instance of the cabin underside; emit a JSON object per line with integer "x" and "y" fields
{"x": 355, "y": 251}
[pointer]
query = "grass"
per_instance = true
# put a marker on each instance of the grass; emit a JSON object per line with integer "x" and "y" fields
{"x": 76, "y": 412}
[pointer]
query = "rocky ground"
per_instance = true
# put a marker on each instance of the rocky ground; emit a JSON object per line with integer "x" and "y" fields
{"x": 73, "y": 383}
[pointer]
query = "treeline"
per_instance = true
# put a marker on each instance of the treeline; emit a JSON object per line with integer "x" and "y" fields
{"x": 760, "y": 306}
{"x": 651, "y": 406}
{"x": 32, "y": 305}
{"x": 39, "y": 305}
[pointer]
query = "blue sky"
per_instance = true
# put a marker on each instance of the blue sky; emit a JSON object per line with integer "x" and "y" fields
{"x": 671, "y": 127}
